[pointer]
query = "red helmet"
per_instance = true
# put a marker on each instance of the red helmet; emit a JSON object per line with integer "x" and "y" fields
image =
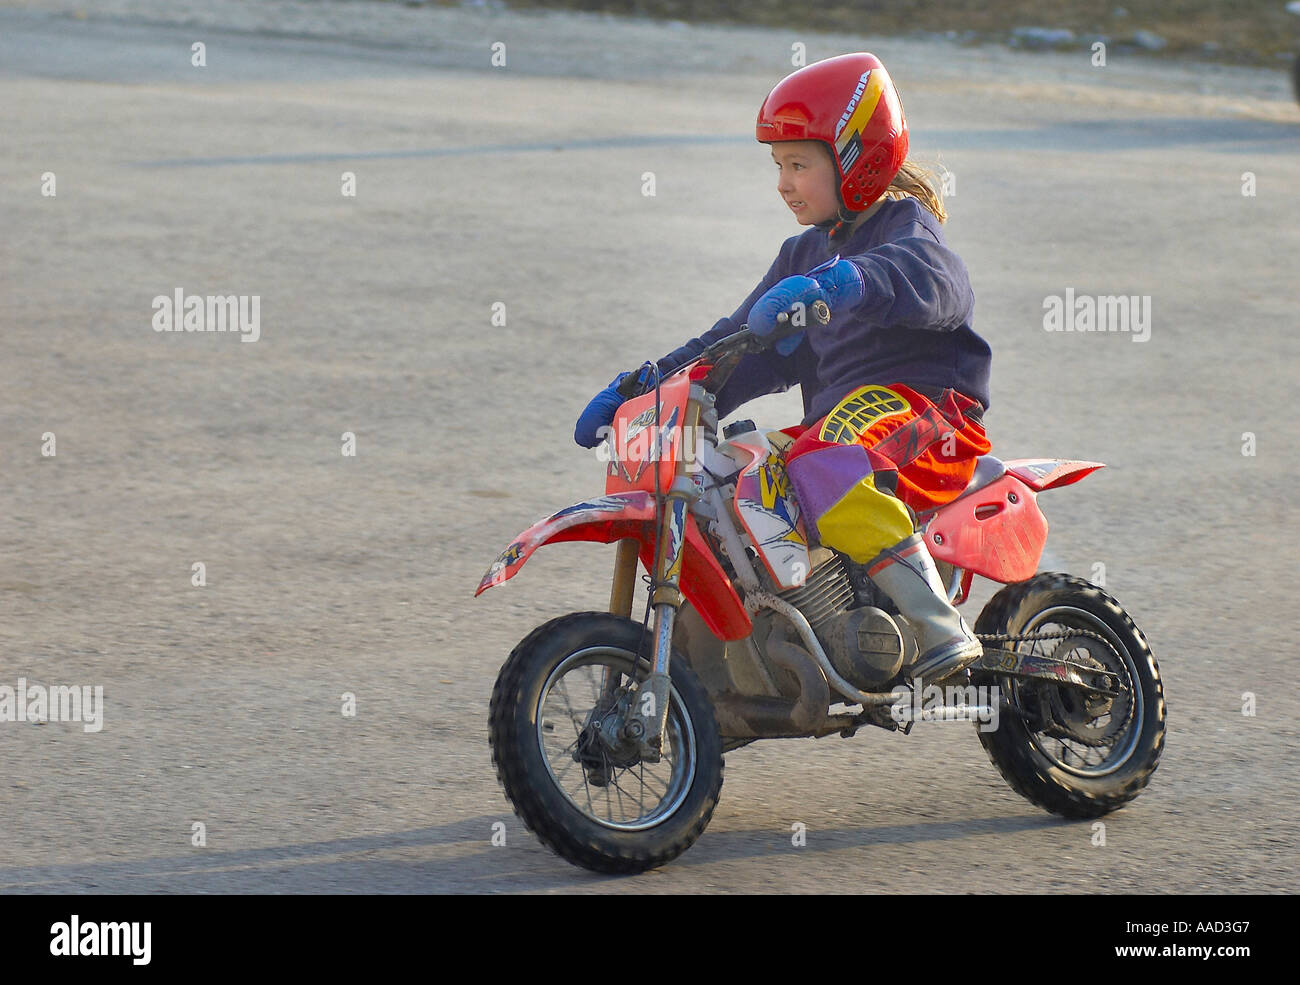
{"x": 850, "y": 104}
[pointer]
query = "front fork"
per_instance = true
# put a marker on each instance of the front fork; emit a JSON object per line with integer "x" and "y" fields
{"x": 649, "y": 718}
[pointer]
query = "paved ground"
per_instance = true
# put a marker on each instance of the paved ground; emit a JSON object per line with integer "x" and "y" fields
{"x": 521, "y": 186}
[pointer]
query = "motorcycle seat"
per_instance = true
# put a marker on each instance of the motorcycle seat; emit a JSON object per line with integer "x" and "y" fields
{"x": 987, "y": 469}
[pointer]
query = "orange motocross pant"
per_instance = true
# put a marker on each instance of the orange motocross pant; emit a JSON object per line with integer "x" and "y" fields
{"x": 880, "y": 450}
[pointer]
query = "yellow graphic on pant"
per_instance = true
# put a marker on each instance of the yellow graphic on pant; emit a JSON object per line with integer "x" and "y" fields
{"x": 858, "y": 411}
{"x": 864, "y": 521}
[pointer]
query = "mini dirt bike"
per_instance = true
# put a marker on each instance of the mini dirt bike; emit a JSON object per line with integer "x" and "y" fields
{"x": 608, "y": 737}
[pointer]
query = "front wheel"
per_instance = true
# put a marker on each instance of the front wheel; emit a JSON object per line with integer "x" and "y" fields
{"x": 1076, "y": 754}
{"x": 584, "y": 792}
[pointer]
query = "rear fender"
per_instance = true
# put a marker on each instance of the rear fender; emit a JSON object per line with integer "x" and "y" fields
{"x": 1041, "y": 474}
{"x": 617, "y": 516}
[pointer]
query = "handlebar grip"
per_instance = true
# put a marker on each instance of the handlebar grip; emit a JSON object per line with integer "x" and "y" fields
{"x": 631, "y": 386}
{"x": 821, "y": 313}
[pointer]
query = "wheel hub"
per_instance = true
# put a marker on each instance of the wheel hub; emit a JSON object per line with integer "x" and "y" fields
{"x": 606, "y": 745}
{"x": 1077, "y": 715}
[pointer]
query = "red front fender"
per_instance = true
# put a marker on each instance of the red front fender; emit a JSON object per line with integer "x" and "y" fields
{"x": 616, "y": 516}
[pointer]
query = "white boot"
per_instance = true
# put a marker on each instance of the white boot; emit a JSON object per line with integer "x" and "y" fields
{"x": 907, "y": 574}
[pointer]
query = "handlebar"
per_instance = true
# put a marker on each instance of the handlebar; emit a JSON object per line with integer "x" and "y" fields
{"x": 726, "y": 353}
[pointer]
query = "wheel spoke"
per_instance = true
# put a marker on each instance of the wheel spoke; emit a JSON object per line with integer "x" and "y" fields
{"x": 565, "y": 772}
{"x": 587, "y": 787}
{"x": 658, "y": 793}
{"x": 639, "y": 796}
{"x": 568, "y": 706}
{"x": 1110, "y": 752}
{"x": 618, "y": 791}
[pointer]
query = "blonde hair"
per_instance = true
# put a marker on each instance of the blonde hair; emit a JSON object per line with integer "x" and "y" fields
{"x": 921, "y": 183}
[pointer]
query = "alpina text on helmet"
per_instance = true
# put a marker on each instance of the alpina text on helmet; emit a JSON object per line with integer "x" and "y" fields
{"x": 857, "y": 94}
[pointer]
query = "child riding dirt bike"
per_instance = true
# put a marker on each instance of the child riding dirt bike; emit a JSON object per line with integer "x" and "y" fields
{"x": 896, "y": 384}
{"x": 608, "y": 734}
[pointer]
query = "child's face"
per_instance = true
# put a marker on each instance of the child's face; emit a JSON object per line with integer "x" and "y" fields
{"x": 807, "y": 180}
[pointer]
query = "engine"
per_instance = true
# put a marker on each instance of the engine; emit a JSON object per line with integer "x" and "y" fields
{"x": 865, "y": 644}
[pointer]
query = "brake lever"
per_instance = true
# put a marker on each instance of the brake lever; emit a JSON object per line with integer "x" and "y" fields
{"x": 726, "y": 354}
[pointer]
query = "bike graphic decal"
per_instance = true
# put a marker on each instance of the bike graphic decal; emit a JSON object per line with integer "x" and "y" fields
{"x": 643, "y": 450}
{"x": 507, "y": 557}
{"x": 775, "y": 487}
{"x": 601, "y": 504}
{"x": 858, "y": 411}
{"x": 639, "y": 423}
{"x": 676, "y": 529}
{"x": 768, "y": 510}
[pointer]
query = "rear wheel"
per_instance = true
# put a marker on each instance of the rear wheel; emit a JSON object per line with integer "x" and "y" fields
{"x": 1069, "y": 752}
{"x": 583, "y": 790}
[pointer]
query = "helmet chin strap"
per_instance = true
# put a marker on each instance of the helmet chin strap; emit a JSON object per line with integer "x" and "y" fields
{"x": 833, "y": 226}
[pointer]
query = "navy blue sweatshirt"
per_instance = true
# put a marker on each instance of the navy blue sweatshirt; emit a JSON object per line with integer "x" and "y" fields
{"x": 913, "y": 327}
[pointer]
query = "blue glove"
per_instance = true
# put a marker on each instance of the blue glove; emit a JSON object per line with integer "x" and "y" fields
{"x": 843, "y": 283}
{"x": 604, "y": 405}
{"x": 780, "y": 299}
{"x": 599, "y": 414}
